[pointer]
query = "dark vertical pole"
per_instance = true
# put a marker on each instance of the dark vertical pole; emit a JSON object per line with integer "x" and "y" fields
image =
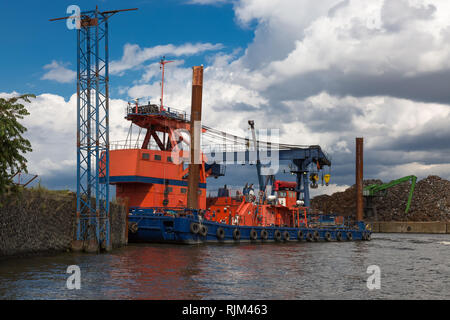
{"x": 359, "y": 179}
{"x": 196, "y": 117}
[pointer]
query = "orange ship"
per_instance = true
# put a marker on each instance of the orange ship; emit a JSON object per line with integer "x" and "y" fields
{"x": 153, "y": 176}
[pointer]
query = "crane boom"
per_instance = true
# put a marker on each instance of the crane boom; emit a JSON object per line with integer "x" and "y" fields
{"x": 374, "y": 189}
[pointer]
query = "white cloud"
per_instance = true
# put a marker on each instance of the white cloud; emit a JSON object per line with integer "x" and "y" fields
{"x": 59, "y": 73}
{"x": 134, "y": 56}
{"x": 329, "y": 190}
{"x": 51, "y": 129}
{"x": 282, "y": 79}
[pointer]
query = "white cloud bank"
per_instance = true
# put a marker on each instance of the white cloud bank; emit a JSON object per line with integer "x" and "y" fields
{"x": 322, "y": 73}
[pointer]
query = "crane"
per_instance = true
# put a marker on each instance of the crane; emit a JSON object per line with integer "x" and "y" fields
{"x": 92, "y": 216}
{"x": 375, "y": 190}
{"x": 234, "y": 149}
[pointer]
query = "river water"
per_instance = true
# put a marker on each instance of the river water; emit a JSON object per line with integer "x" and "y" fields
{"x": 411, "y": 266}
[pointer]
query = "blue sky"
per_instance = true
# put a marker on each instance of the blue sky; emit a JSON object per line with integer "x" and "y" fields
{"x": 32, "y": 41}
{"x": 322, "y": 73}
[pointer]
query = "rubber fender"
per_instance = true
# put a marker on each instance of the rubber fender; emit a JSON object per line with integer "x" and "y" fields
{"x": 195, "y": 227}
{"x": 133, "y": 227}
{"x": 316, "y": 235}
{"x": 253, "y": 234}
{"x": 327, "y": 236}
{"x": 220, "y": 233}
{"x": 349, "y": 236}
{"x": 203, "y": 230}
{"x": 277, "y": 235}
{"x": 300, "y": 235}
{"x": 309, "y": 236}
{"x": 339, "y": 236}
{"x": 264, "y": 234}
{"x": 286, "y": 236}
{"x": 236, "y": 234}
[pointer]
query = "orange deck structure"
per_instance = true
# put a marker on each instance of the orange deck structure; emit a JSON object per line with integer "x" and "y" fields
{"x": 282, "y": 209}
{"x": 155, "y": 175}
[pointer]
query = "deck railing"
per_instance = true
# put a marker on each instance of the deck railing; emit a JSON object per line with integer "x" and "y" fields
{"x": 153, "y": 109}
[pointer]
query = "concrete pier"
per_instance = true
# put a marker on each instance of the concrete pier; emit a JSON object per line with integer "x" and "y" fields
{"x": 411, "y": 227}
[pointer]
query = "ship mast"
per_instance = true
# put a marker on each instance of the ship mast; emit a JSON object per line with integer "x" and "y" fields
{"x": 162, "y": 63}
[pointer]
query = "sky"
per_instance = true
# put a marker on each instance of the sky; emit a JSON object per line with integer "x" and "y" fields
{"x": 323, "y": 73}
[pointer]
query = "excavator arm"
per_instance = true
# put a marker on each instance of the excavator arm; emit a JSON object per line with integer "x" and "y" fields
{"x": 375, "y": 189}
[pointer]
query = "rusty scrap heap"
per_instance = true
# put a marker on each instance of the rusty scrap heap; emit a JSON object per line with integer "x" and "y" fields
{"x": 431, "y": 201}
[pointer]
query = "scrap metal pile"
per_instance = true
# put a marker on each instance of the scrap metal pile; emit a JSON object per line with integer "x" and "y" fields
{"x": 430, "y": 202}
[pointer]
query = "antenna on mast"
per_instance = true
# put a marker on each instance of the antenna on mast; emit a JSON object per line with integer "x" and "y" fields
{"x": 162, "y": 63}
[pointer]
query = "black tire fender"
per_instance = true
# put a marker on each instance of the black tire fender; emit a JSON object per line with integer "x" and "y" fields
{"x": 349, "y": 236}
{"x": 264, "y": 234}
{"x": 195, "y": 227}
{"x": 236, "y": 234}
{"x": 286, "y": 236}
{"x": 300, "y": 235}
{"x": 253, "y": 234}
{"x": 133, "y": 227}
{"x": 327, "y": 236}
{"x": 316, "y": 235}
{"x": 203, "y": 230}
{"x": 277, "y": 235}
{"x": 220, "y": 233}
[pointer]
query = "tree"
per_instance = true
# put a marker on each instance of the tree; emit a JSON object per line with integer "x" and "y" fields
{"x": 12, "y": 144}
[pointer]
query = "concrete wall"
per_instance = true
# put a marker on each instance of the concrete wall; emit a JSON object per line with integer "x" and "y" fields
{"x": 411, "y": 227}
{"x": 40, "y": 221}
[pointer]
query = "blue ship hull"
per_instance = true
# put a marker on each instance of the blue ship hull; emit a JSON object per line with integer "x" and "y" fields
{"x": 150, "y": 227}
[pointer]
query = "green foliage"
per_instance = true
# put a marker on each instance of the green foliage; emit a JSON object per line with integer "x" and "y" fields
{"x": 12, "y": 144}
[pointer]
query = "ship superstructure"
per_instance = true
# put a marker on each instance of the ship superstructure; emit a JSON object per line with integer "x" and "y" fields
{"x": 167, "y": 192}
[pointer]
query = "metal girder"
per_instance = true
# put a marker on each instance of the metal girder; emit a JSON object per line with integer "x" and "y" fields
{"x": 93, "y": 129}
{"x": 302, "y": 158}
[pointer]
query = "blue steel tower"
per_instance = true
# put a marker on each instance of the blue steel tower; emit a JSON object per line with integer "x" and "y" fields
{"x": 92, "y": 222}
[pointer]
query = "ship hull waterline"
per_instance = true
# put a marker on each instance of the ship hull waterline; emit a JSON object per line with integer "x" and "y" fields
{"x": 178, "y": 230}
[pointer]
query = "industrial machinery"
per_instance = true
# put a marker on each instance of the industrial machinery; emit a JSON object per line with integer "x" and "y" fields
{"x": 167, "y": 197}
{"x": 92, "y": 216}
{"x": 380, "y": 190}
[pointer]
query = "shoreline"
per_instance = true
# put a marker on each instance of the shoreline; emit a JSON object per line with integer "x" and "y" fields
{"x": 432, "y": 227}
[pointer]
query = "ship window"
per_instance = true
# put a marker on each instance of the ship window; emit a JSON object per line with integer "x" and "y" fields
{"x": 183, "y": 190}
{"x": 157, "y": 157}
{"x": 169, "y": 159}
{"x": 145, "y": 156}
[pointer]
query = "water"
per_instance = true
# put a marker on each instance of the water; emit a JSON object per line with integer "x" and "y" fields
{"x": 412, "y": 267}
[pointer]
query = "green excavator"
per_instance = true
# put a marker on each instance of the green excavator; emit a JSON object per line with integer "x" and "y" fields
{"x": 379, "y": 190}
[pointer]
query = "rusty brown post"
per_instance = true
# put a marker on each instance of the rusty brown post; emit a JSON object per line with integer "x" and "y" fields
{"x": 195, "y": 131}
{"x": 359, "y": 179}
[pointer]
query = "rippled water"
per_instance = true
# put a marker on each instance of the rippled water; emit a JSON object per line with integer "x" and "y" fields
{"x": 412, "y": 267}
